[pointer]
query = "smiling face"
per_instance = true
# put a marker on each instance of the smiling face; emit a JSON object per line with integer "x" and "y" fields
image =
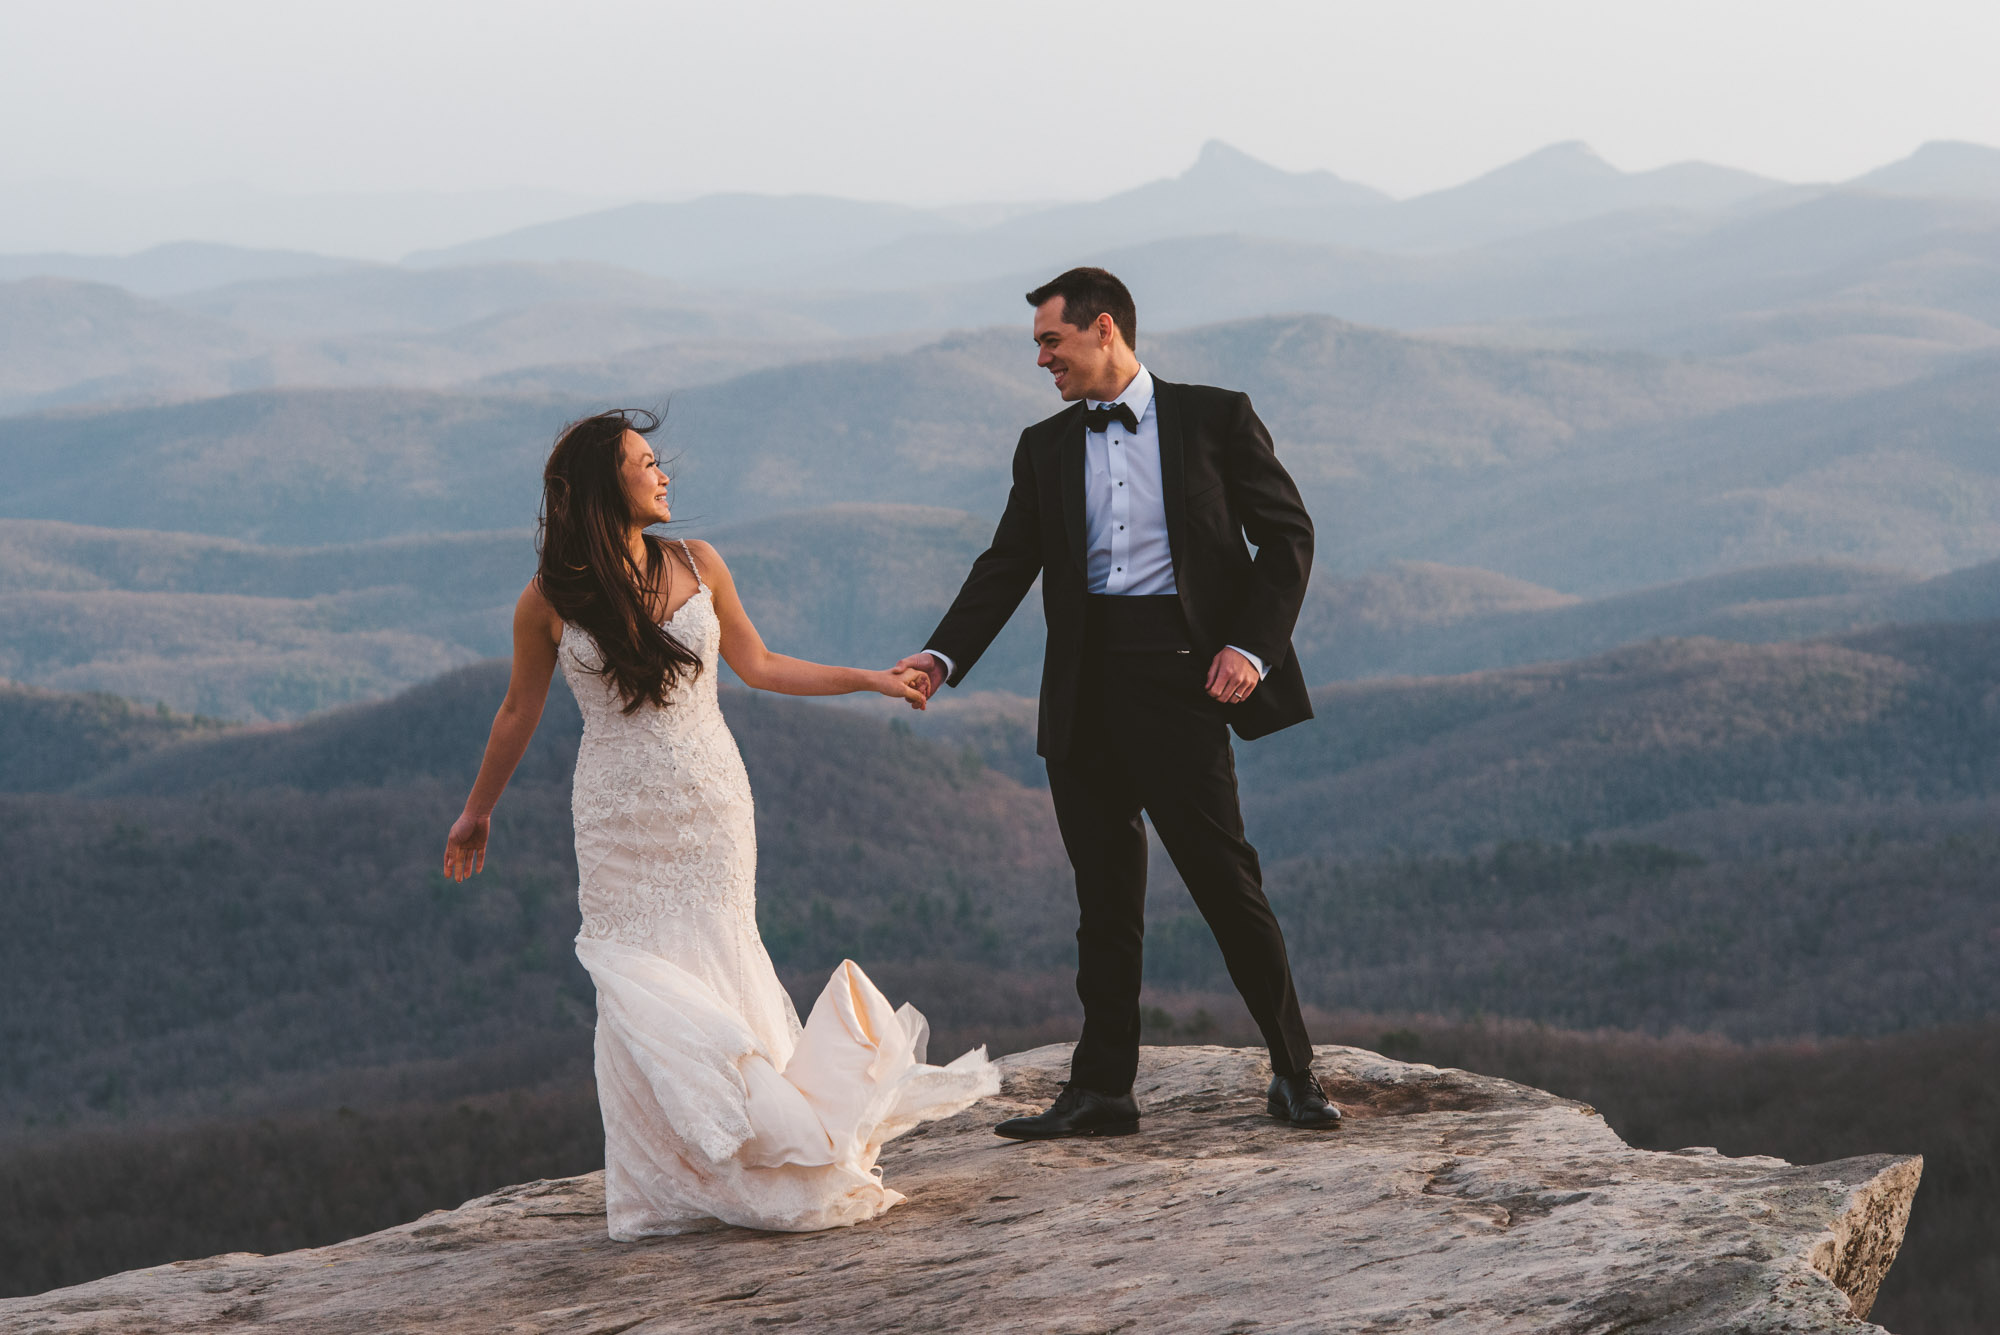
{"x": 645, "y": 485}
{"x": 1088, "y": 363}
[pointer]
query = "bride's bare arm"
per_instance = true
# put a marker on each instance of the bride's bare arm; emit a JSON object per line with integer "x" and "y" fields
{"x": 743, "y": 648}
{"x": 537, "y": 632}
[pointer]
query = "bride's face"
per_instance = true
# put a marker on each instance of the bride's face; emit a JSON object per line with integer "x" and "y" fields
{"x": 645, "y": 484}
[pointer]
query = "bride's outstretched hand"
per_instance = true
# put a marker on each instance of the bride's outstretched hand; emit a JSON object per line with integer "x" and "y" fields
{"x": 465, "y": 846}
{"x": 903, "y": 684}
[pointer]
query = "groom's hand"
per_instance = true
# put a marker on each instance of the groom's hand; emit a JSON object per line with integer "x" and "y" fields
{"x": 932, "y": 670}
{"x": 1231, "y": 678}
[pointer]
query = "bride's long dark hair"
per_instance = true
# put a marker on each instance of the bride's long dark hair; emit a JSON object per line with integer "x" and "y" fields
{"x": 586, "y": 569}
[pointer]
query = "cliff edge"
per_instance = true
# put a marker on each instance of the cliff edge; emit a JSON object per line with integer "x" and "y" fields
{"x": 1448, "y": 1202}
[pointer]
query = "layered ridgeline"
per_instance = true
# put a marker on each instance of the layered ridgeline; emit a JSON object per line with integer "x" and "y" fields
{"x": 250, "y": 631}
{"x": 238, "y": 630}
{"x": 1832, "y": 285}
{"x": 1684, "y": 256}
{"x": 1590, "y": 472}
{"x": 73, "y": 341}
{"x": 1767, "y": 841}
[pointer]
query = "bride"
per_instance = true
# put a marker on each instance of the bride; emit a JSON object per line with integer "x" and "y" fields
{"x": 717, "y": 1104}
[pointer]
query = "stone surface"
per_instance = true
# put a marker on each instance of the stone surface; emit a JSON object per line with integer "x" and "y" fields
{"x": 1449, "y": 1202}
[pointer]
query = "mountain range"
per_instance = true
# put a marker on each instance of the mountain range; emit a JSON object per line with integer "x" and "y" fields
{"x": 1590, "y": 471}
{"x": 734, "y": 239}
{"x": 1591, "y": 415}
{"x": 174, "y": 268}
{"x": 1560, "y": 238}
{"x": 237, "y": 630}
{"x": 1765, "y": 840}
{"x": 1652, "y": 641}
{"x": 70, "y": 343}
{"x": 1561, "y": 182}
{"x": 54, "y": 215}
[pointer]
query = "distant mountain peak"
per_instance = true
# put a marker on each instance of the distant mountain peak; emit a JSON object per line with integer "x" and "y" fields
{"x": 1219, "y": 163}
{"x": 1954, "y": 150}
{"x": 1571, "y": 158}
{"x": 1569, "y": 181}
{"x": 1217, "y": 154}
{"x": 1944, "y": 167}
{"x": 1224, "y": 167}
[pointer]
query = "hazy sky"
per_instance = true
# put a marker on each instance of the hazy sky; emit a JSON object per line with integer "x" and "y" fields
{"x": 941, "y": 101}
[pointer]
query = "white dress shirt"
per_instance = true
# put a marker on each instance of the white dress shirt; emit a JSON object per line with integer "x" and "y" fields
{"x": 1124, "y": 501}
{"x": 1125, "y": 507}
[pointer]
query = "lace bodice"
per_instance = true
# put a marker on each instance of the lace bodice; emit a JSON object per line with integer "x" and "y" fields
{"x": 661, "y": 792}
{"x": 695, "y": 625}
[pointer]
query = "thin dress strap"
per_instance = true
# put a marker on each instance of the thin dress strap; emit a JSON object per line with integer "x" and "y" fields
{"x": 688, "y": 556}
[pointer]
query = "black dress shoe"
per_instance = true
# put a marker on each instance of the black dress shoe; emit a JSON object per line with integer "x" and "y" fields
{"x": 1077, "y": 1112}
{"x": 1298, "y": 1099}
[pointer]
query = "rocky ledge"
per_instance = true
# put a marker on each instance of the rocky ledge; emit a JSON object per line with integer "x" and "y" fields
{"x": 1448, "y": 1202}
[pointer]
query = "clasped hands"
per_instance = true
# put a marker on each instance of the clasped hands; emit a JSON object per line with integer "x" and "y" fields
{"x": 1231, "y": 677}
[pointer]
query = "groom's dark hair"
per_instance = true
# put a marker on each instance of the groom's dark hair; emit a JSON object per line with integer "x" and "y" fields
{"x": 1089, "y": 293}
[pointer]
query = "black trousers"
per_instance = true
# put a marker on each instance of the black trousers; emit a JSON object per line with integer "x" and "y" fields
{"x": 1151, "y": 740}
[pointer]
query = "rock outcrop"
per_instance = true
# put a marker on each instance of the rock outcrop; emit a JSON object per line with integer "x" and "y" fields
{"x": 1449, "y": 1202}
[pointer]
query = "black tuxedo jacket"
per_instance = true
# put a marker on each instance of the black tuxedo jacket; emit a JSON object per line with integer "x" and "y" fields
{"x": 1222, "y": 482}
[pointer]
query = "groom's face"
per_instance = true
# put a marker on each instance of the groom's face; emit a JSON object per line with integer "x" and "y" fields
{"x": 1079, "y": 359}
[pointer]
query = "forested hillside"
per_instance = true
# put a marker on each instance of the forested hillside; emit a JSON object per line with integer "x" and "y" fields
{"x": 251, "y": 631}
{"x": 51, "y": 740}
{"x": 255, "y": 631}
{"x": 260, "y": 911}
{"x": 1418, "y": 619}
{"x": 1760, "y": 841}
{"x": 1646, "y": 734}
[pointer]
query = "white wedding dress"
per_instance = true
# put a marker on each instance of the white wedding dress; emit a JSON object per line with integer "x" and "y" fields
{"x": 717, "y": 1104}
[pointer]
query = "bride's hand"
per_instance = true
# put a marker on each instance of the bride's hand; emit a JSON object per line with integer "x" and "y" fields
{"x": 902, "y": 684}
{"x": 465, "y": 846}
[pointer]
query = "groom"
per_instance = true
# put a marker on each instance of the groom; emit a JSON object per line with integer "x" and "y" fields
{"x": 1133, "y": 504}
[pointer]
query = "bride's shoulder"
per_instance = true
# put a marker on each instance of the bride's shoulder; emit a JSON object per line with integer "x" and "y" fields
{"x": 706, "y": 557}
{"x": 533, "y": 607}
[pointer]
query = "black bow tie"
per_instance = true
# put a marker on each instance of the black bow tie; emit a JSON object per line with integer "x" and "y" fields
{"x": 1096, "y": 419}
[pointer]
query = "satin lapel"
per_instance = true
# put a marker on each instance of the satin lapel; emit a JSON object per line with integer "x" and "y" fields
{"x": 1069, "y": 461}
{"x": 1173, "y": 470}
